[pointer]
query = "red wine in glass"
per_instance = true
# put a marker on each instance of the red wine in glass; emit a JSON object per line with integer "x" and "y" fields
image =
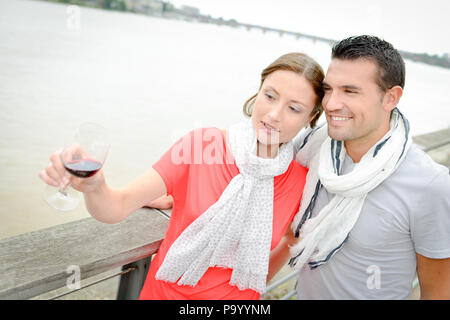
{"x": 84, "y": 168}
{"x": 83, "y": 156}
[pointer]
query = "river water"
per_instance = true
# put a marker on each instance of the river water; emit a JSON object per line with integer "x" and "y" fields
{"x": 148, "y": 80}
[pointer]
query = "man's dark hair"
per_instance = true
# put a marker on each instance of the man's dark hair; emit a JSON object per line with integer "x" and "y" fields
{"x": 390, "y": 63}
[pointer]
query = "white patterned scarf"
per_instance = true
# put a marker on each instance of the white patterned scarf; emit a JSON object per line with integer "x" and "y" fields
{"x": 236, "y": 231}
{"x": 323, "y": 235}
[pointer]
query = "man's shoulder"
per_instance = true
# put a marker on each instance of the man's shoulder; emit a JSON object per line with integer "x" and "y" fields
{"x": 308, "y": 142}
{"x": 419, "y": 169}
{"x": 421, "y": 164}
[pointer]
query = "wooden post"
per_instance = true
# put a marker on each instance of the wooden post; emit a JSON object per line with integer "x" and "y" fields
{"x": 131, "y": 283}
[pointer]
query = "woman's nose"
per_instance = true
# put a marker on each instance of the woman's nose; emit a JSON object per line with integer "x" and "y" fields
{"x": 275, "y": 112}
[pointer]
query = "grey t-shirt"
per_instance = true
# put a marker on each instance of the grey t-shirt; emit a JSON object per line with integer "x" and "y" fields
{"x": 408, "y": 213}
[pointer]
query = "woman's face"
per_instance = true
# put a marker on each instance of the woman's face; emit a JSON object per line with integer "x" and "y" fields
{"x": 282, "y": 108}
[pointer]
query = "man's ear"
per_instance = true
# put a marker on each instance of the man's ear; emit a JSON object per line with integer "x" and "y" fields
{"x": 392, "y": 97}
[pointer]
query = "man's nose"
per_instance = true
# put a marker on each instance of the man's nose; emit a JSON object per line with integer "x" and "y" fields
{"x": 332, "y": 101}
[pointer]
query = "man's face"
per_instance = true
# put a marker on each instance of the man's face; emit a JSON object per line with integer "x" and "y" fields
{"x": 353, "y": 102}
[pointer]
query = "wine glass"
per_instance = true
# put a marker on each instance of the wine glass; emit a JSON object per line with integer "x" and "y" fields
{"x": 82, "y": 158}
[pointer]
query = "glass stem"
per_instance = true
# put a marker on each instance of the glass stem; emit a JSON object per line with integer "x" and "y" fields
{"x": 62, "y": 190}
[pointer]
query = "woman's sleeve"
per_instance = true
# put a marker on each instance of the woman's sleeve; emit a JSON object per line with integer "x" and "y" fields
{"x": 174, "y": 165}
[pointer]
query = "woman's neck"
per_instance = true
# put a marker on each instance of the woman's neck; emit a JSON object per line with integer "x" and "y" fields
{"x": 263, "y": 151}
{"x": 267, "y": 151}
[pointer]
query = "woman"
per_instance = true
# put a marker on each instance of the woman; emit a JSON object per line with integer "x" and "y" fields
{"x": 232, "y": 190}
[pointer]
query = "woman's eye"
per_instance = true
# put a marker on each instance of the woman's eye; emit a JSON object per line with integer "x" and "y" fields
{"x": 269, "y": 96}
{"x": 295, "y": 109}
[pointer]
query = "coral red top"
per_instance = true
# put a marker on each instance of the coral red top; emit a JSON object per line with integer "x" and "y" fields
{"x": 197, "y": 183}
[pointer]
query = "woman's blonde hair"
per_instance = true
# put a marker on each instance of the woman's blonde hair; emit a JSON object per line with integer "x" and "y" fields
{"x": 299, "y": 63}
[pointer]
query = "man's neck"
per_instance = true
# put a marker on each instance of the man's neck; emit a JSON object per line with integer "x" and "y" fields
{"x": 357, "y": 148}
{"x": 355, "y": 151}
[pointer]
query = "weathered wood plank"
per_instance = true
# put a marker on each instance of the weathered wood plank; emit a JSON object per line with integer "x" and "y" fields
{"x": 37, "y": 262}
{"x": 437, "y": 145}
{"x": 431, "y": 138}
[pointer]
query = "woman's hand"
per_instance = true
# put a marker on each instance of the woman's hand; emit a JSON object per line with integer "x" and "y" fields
{"x": 55, "y": 174}
{"x": 104, "y": 203}
{"x": 280, "y": 255}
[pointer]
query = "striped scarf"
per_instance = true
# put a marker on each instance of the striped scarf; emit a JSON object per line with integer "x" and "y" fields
{"x": 323, "y": 235}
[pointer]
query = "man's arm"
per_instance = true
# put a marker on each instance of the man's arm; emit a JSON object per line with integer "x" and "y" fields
{"x": 434, "y": 278}
{"x": 163, "y": 203}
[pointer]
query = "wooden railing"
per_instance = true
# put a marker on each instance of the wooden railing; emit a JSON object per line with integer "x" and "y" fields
{"x": 36, "y": 263}
{"x": 41, "y": 261}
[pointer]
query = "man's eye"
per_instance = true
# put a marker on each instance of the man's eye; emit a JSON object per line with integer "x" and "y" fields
{"x": 326, "y": 89}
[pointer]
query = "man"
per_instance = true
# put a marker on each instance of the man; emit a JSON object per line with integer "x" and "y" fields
{"x": 378, "y": 208}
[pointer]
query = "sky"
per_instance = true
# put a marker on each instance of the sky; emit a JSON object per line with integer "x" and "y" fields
{"x": 416, "y": 26}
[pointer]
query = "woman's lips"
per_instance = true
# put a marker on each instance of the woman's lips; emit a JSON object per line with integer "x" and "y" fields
{"x": 269, "y": 128}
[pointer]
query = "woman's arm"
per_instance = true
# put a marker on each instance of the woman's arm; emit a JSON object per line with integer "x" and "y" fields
{"x": 111, "y": 206}
{"x": 279, "y": 256}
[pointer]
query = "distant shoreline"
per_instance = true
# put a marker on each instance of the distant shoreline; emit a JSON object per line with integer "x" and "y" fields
{"x": 166, "y": 10}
